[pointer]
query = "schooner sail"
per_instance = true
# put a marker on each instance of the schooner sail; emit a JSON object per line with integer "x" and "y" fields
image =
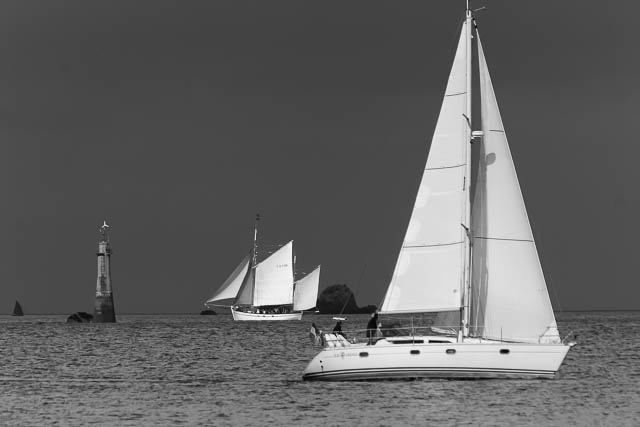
{"x": 477, "y": 261}
{"x": 231, "y": 286}
{"x": 268, "y": 290}
{"x": 305, "y": 295}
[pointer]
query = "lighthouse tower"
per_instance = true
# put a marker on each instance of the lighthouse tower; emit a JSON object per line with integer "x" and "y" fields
{"x": 103, "y": 307}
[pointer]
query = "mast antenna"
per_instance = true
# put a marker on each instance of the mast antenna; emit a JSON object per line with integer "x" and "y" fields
{"x": 471, "y": 12}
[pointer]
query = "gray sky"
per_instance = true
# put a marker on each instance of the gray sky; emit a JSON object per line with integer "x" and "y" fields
{"x": 178, "y": 121}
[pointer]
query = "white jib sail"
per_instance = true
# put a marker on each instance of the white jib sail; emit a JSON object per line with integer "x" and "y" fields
{"x": 429, "y": 270}
{"x": 274, "y": 278}
{"x": 305, "y": 294}
{"x": 510, "y": 298}
{"x": 231, "y": 286}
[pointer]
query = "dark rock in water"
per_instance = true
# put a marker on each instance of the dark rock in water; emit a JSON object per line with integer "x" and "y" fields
{"x": 335, "y": 297}
{"x": 207, "y": 313}
{"x": 80, "y": 317}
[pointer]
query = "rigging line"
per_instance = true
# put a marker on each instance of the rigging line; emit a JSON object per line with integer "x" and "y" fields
{"x": 364, "y": 268}
{"x": 503, "y": 239}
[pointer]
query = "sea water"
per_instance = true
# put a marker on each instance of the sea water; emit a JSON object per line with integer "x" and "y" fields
{"x": 210, "y": 370}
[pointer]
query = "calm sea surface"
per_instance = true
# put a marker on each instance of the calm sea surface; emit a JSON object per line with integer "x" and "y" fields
{"x": 209, "y": 370}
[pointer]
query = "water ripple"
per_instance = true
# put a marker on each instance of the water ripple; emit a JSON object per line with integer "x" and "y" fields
{"x": 209, "y": 370}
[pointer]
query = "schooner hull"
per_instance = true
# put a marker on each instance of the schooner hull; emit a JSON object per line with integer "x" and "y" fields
{"x": 241, "y": 315}
{"x": 473, "y": 360}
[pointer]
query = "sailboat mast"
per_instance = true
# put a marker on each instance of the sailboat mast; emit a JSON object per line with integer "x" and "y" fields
{"x": 466, "y": 292}
{"x": 255, "y": 240}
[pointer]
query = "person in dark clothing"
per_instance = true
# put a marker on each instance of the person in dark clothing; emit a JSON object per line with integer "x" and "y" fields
{"x": 338, "y": 329}
{"x": 372, "y": 327}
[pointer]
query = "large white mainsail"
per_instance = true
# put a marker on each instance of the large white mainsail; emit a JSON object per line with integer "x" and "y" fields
{"x": 274, "y": 278}
{"x": 429, "y": 272}
{"x": 510, "y": 299}
{"x": 231, "y": 286}
{"x": 305, "y": 294}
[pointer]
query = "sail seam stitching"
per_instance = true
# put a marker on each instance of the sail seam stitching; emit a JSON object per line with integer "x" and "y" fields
{"x": 445, "y": 167}
{"x": 431, "y": 246}
{"x": 456, "y": 94}
{"x": 501, "y": 238}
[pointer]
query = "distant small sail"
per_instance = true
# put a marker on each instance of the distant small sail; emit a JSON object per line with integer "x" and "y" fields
{"x": 17, "y": 310}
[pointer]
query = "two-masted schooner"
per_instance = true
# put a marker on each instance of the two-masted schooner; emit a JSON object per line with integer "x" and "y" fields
{"x": 478, "y": 261}
{"x": 267, "y": 290}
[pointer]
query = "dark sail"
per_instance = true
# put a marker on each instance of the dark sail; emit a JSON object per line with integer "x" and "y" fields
{"x": 17, "y": 310}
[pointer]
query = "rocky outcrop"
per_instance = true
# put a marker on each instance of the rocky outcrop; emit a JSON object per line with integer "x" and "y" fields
{"x": 335, "y": 297}
{"x": 80, "y": 317}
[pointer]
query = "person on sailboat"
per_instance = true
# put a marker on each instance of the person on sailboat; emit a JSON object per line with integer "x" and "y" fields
{"x": 338, "y": 329}
{"x": 315, "y": 335}
{"x": 372, "y": 327}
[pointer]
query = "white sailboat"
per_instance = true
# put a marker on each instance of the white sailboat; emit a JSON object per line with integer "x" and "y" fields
{"x": 267, "y": 290}
{"x": 479, "y": 262}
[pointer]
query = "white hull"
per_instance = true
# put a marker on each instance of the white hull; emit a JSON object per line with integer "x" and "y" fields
{"x": 477, "y": 360}
{"x": 241, "y": 315}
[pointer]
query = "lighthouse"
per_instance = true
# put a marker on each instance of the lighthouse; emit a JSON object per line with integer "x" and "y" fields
{"x": 103, "y": 307}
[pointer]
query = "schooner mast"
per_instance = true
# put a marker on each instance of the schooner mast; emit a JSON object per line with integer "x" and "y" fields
{"x": 255, "y": 240}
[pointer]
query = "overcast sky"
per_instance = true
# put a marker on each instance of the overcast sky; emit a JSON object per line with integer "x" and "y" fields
{"x": 178, "y": 121}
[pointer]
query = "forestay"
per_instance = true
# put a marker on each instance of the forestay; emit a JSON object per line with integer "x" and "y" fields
{"x": 274, "y": 278}
{"x": 428, "y": 274}
{"x": 510, "y": 299}
{"x": 305, "y": 295}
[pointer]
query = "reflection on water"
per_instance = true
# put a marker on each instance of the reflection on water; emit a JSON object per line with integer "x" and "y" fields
{"x": 209, "y": 370}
